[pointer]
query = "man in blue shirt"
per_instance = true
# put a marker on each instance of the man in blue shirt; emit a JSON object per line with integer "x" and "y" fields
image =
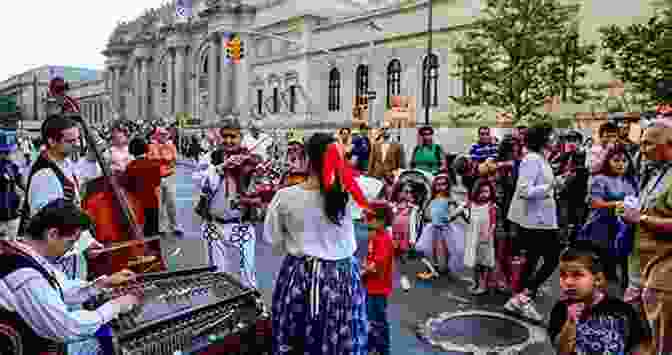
{"x": 485, "y": 148}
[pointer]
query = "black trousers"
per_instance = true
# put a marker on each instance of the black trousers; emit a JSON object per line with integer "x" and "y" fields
{"x": 538, "y": 243}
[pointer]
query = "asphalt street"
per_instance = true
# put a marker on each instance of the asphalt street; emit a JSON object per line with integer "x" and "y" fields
{"x": 484, "y": 327}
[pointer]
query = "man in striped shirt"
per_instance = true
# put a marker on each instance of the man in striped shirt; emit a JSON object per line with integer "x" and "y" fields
{"x": 485, "y": 148}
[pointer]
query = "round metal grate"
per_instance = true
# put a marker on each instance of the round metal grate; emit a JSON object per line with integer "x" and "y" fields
{"x": 480, "y": 332}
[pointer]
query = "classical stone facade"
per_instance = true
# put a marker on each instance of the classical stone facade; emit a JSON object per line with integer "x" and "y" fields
{"x": 305, "y": 60}
{"x": 86, "y": 85}
{"x": 94, "y": 100}
{"x": 299, "y": 66}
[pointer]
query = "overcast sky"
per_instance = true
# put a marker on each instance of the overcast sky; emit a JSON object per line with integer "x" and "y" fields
{"x": 67, "y": 32}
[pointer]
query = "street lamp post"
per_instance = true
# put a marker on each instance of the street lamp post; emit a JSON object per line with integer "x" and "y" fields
{"x": 428, "y": 68}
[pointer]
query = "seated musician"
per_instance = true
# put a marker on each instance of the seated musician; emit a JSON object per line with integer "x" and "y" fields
{"x": 35, "y": 297}
{"x": 230, "y": 237}
{"x": 54, "y": 176}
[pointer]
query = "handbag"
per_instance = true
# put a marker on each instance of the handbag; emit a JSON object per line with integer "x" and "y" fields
{"x": 202, "y": 207}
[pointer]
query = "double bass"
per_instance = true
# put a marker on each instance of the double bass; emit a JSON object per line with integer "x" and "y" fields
{"x": 115, "y": 204}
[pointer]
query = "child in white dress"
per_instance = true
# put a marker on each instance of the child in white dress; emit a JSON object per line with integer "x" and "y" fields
{"x": 480, "y": 237}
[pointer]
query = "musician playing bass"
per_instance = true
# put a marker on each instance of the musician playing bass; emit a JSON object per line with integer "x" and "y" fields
{"x": 54, "y": 176}
{"x": 35, "y": 297}
{"x": 226, "y": 228}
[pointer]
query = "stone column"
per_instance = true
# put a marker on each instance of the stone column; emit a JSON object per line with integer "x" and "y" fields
{"x": 156, "y": 87}
{"x": 305, "y": 79}
{"x": 136, "y": 89}
{"x": 144, "y": 79}
{"x": 179, "y": 78}
{"x": 114, "y": 79}
{"x": 170, "y": 81}
{"x": 241, "y": 83}
{"x": 226, "y": 78}
{"x": 212, "y": 73}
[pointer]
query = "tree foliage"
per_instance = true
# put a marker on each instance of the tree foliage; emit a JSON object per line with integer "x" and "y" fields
{"x": 521, "y": 51}
{"x": 640, "y": 55}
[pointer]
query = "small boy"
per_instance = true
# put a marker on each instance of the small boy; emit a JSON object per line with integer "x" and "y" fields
{"x": 377, "y": 274}
{"x": 586, "y": 320}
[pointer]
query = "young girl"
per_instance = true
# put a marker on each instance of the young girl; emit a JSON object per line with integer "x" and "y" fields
{"x": 480, "y": 236}
{"x": 405, "y": 209}
{"x": 609, "y": 188}
{"x": 443, "y": 239}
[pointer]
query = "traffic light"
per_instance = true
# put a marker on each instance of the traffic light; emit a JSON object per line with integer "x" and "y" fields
{"x": 164, "y": 88}
{"x": 241, "y": 50}
{"x": 227, "y": 50}
{"x": 234, "y": 48}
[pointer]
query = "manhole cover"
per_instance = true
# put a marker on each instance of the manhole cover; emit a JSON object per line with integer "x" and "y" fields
{"x": 480, "y": 332}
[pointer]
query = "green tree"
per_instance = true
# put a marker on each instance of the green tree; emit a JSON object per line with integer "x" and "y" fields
{"x": 521, "y": 51}
{"x": 640, "y": 54}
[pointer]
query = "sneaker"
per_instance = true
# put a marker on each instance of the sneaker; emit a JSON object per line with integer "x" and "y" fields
{"x": 478, "y": 290}
{"x": 405, "y": 283}
{"x": 528, "y": 310}
{"x": 514, "y": 304}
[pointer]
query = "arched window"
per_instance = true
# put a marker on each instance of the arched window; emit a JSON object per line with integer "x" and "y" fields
{"x": 362, "y": 86}
{"x": 393, "y": 79}
{"x": 430, "y": 75}
{"x": 334, "y": 90}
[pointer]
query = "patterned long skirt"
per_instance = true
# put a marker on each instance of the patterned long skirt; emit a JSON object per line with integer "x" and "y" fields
{"x": 319, "y": 308}
{"x": 231, "y": 248}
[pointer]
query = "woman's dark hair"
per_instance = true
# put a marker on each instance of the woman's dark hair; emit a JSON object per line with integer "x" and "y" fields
{"x": 538, "y": 136}
{"x": 335, "y": 202}
{"x": 610, "y": 154}
{"x": 506, "y": 147}
{"x": 137, "y": 146}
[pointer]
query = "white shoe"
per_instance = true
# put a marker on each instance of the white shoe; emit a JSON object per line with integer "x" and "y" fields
{"x": 405, "y": 283}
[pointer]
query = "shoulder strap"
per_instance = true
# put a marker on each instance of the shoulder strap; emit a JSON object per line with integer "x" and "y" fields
{"x": 437, "y": 152}
{"x": 13, "y": 262}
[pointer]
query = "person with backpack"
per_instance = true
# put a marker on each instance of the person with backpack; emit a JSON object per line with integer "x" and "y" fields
{"x": 427, "y": 155}
{"x": 10, "y": 181}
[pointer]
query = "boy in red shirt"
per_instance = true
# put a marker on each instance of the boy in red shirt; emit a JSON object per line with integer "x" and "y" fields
{"x": 377, "y": 275}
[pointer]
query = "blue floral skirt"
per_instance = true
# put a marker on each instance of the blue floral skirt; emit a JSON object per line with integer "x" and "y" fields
{"x": 319, "y": 308}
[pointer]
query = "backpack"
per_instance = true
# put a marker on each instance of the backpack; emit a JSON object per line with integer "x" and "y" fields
{"x": 9, "y": 198}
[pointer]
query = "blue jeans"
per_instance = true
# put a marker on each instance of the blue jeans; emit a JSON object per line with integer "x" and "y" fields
{"x": 379, "y": 327}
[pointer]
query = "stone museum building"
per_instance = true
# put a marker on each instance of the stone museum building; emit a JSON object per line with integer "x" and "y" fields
{"x": 31, "y": 88}
{"x": 302, "y": 61}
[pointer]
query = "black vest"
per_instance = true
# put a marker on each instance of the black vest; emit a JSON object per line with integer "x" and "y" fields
{"x": 16, "y": 336}
{"x": 69, "y": 188}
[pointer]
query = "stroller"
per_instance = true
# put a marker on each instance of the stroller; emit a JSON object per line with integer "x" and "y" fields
{"x": 409, "y": 218}
{"x": 420, "y": 184}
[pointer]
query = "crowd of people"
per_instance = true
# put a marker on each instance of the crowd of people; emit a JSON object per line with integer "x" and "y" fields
{"x": 510, "y": 211}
